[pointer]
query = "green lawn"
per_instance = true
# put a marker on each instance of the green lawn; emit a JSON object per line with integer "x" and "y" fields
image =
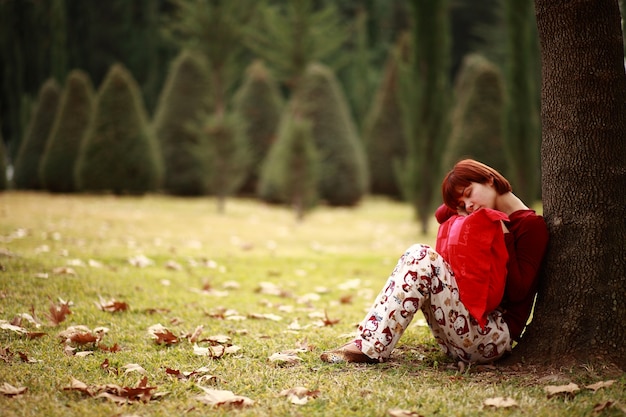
{"x": 259, "y": 284}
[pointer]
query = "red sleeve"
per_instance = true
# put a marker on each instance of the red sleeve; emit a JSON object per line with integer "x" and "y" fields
{"x": 526, "y": 244}
{"x": 443, "y": 213}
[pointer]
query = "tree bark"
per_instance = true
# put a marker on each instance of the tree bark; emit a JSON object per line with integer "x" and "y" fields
{"x": 580, "y": 312}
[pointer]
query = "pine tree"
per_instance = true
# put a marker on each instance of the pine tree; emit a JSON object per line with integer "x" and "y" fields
{"x": 295, "y": 34}
{"x": 119, "y": 153}
{"x": 3, "y": 165}
{"x": 181, "y": 110}
{"x": 56, "y": 169}
{"x": 231, "y": 155}
{"x": 384, "y": 132}
{"x": 291, "y": 170}
{"x": 26, "y": 167}
{"x": 343, "y": 171}
{"x": 426, "y": 96}
{"x": 476, "y": 118}
{"x": 259, "y": 104}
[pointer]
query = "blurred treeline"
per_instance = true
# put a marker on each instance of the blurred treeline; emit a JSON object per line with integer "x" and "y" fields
{"x": 222, "y": 83}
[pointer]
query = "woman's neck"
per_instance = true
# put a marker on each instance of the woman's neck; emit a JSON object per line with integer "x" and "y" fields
{"x": 509, "y": 203}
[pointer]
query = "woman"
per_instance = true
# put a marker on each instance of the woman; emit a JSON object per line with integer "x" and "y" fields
{"x": 468, "y": 187}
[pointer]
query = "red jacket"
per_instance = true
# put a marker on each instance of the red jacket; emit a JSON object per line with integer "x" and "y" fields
{"x": 526, "y": 245}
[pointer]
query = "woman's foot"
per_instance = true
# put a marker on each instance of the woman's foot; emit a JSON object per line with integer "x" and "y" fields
{"x": 347, "y": 353}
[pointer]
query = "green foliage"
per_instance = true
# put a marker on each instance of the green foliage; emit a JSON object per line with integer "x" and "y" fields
{"x": 183, "y": 105}
{"x": 214, "y": 28}
{"x": 384, "y": 132}
{"x": 231, "y": 155}
{"x": 119, "y": 153}
{"x": 343, "y": 172}
{"x": 27, "y": 161}
{"x": 259, "y": 104}
{"x": 477, "y": 116}
{"x": 56, "y": 169}
{"x": 3, "y": 164}
{"x": 291, "y": 36}
{"x": 291, "y": 170}
{"x": 425, "y": 105}
{"x": 523, "y": 83}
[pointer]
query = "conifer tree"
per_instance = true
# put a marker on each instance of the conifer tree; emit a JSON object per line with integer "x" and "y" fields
{"x": 26, "y": 167}
{"x": 384, "y": 133}
{"x": 3, "y": 165}
{"x": 295, "y": 34}
{"x": 56, "y": 169}
{"x": 231, "y": 155}
{"x": 119, "y": 153}
{"x": 343, "y": 171}
{"x": 290, "y": 172}
{"x": 259, "y": 104}
{"x": 426, "y": 96}
{"x": 182, "y": 108}
{"x": 477, "y": 115}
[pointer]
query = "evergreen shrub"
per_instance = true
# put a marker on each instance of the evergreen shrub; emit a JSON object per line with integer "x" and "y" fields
{"x": 27, "y": 161}
{"x": 182, "y": 108}
{"x": 384, "y": 132}
{"x": 259, "y": 104}
{"x": 477, "y": 129}
{"x": 56, "y": 169}
{"x": 343, "y": 167}
{"x": 230, "y": 152}
{"x": 290, "y": 172}
{"x": 119, "y": 153}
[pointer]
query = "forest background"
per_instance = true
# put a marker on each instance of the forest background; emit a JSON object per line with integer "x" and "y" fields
{"x": 391, "y": 130}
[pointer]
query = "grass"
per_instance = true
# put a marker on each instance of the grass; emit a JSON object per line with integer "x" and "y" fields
{"x": 329, "y": 267}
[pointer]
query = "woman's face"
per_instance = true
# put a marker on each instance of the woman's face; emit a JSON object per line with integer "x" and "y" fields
{"x": 476, "y": 196}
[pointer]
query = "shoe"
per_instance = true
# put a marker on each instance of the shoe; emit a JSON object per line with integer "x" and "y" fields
{"x": 346, "y": 354}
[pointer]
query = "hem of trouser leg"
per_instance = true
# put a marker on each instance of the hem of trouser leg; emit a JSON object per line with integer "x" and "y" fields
{"x": 367, "y": 346}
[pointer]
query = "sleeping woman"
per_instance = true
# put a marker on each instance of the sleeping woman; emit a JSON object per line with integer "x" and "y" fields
{"x": 475, "y": 289}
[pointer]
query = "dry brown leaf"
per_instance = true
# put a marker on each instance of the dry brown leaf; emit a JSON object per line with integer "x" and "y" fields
{"x": 218, "y": 397}
{"x": 568, "y": 390}
{"x": 600, "y": 384}
{"x": 328, "y": 321}
{"x": 193, "y": 338}
{"x": 285, "y": 358}
{"x": 11, "y": 391}
{"x": 64, "y": 270}
{"x": 24, "y": 358}
{"x": 112, "y": 305}
{"x": 5, "y": 325}
{"x": 299, "y": 395}
{"x": 397, "y": 412}
{"x": 162, "y": 335}
{"x": 134, "y": 367}
{"x": 57, "y": 312}
{"x": 500, "y": 402}
{"x": 212, "y": 351}
{"x": 272, "y": 317}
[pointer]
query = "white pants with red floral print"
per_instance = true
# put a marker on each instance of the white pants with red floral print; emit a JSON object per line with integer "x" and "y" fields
{"x": 423, "y": 280}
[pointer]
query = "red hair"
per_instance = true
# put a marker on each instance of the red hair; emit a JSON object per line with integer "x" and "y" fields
{"x": 465, "y": 172}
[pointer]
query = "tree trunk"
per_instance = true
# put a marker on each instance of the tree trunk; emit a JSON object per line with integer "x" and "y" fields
{"x": 581, "y": 308}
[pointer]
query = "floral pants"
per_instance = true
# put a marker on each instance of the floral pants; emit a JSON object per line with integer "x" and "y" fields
{"x": 423, "y": 280}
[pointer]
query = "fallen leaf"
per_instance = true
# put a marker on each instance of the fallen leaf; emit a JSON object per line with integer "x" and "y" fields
{"x": 64, "y": 270}
{"x": 223, "y": 397}
{"x": 397, "y": 412}
{"x": 24, "y": 358}
{"x": 57, "y": 312}
{"x": 272, "y": 317}
{"x": 600, "y": 384}
{"x": 112, "y": 305}
{"x": 11, "y": 391}
{"x": 134, "y": 367}
{"x": 140, "y": 261}
{"x": 500, "y": 402}
{"x": 299, "y": 395}
{"x": 5, "y": 325}
{"x": 598, "y": 408}
{"x": 162, "y": 335}
{"x": 569, "y": 389}
{"x": 287, "y": 358}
